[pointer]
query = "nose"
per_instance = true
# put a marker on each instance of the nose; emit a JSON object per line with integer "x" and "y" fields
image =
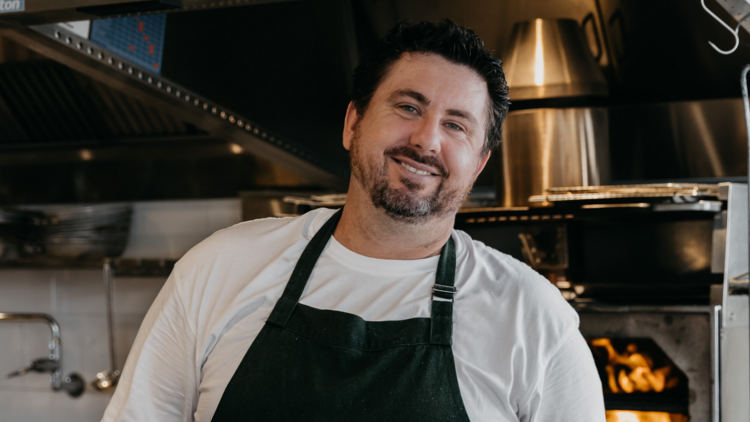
{"x": 426, "y": 136}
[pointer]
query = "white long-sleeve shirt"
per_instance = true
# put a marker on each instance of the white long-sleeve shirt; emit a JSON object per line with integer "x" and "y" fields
{"x": 518, "y": 352}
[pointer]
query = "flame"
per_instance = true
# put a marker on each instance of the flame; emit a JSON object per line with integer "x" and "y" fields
{"x": 635, "y": 416}
{"x": 637, "y": 374}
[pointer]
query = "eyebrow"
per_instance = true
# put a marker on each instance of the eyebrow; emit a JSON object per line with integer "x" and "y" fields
{"x": 409, "y": 93}
{"x": 423, "y": 100}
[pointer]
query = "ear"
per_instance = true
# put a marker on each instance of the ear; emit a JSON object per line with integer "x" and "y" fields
{"x": 350, "y": 123}
{"x": 482, "y": 163}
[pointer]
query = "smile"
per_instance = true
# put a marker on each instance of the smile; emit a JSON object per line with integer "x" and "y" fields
{"x": 413, "y": 169}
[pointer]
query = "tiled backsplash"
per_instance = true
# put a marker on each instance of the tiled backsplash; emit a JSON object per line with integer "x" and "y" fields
{"x": 75, "y": 298}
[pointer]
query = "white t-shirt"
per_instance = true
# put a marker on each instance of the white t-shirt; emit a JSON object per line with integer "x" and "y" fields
{"x": 518, "y": 352}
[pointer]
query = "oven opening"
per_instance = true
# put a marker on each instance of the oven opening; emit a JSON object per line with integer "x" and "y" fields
{"x": 640, "y": 382}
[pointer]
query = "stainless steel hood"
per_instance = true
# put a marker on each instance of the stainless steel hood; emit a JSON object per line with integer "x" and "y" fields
{"x": 274, "y": 77}
{"x": 37, "y": 12}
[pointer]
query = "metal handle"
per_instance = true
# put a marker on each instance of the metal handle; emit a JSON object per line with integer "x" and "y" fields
{"x": 589, "y": 19}
{"x": 37, "y": 365}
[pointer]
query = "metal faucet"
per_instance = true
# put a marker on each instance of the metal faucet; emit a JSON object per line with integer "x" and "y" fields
{"x": 73, "y": 383}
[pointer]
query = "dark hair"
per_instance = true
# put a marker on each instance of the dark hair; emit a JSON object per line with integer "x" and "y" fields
{"x": 455, "y": 43}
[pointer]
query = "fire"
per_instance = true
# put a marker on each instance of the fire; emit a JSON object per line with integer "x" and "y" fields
{"x": 635, "y": 416}
{"x": 635, "y": 373}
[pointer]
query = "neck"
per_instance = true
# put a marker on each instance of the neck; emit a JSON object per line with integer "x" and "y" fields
{"x": 369, "y": 231}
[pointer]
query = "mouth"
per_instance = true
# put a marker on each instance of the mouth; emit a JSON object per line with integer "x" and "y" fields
{"x": 415, "y": 168}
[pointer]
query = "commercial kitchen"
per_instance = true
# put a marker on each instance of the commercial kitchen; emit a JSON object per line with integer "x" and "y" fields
{"x": 131, "y": 130}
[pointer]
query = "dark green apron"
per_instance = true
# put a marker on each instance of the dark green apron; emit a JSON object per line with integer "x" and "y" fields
{"x": 310, "y": 364}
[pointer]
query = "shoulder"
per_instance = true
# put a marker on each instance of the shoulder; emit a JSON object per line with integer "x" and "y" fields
{"x": 245, "y": 249}
{"x": 516, "y": 293}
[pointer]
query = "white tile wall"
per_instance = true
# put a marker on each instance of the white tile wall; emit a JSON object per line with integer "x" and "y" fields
{"x": 75, "y": 298}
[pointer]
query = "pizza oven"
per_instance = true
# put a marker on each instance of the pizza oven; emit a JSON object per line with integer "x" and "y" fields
{"x": 658, "y": 276}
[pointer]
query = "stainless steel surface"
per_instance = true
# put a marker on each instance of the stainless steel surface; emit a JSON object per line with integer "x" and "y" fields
{"x": 549, "y": 58}
{"x": 735, "y": 360}
{"x": 736, "y": 252}
{"x": 684, "y": 333}
{"x": 49, "y": 11}
{"x": 682, "y": 192}
{"x": 548, "y": 147}
{"x": 706, "y": 206}
{"x": 105, "y": 70}
{"x": 678, "y": 140}
{"x": 716, "y": 364}
{"x": 107, "y": 380}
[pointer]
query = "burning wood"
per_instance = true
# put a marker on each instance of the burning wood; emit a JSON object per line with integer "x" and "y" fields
{"x": 635, "y": 416}
{"x": 632, "y": 371}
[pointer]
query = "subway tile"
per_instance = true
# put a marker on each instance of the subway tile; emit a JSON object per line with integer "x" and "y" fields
{"x": 25, "y": 291}
{"x": 26, "y": 406}
{"x": 79, "y": 292}
{"x": 94, "y": 346}
{"x": 11, "y": 357}
{"x": 88, "y": 407}
{"x": 166, "y": 218}
{"x": 136, "y": 294}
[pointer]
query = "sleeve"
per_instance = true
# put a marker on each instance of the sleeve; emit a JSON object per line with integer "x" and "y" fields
{"x": 160, "y": 379}
{"x": 571, "y": 390}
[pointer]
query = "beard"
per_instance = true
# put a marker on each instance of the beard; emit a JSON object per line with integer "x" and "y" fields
{"x": 406, "y": 204}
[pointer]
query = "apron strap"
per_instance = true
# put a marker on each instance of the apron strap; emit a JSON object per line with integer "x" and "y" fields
{"x": 296, "y": 285}
{"x": 441, "y": 321}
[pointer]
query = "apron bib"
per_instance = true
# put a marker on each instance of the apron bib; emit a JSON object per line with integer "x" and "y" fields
{"x": 310, "y": 364}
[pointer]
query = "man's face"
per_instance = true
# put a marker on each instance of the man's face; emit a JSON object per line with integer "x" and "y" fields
{"x": 417, "y": 149}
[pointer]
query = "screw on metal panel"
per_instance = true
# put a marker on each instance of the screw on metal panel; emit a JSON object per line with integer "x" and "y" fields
{"x": 57, "y": 34}
{"x": 248, "y": 127}
{"x": 223, "y": 115}
{"x": 214, "y": 110}
{"x": 90, "y": 50}
{"x": 240, "y": 123}
{"x": 130, "y": 70}
{"x": 150, "y": 80}
{"x": 271, "y": 139}
{"x": 205, "y": 106}
{"x": 197, "y": 102}
{"x": 169, "y": 89}
{"x": 120, "y": 66}
{"x": 231, "y": 119}
{"x": 263, "y": 135}
{"x": 111, "y": 60}
{"x": 100, "y": 55}
{"x": 178, "y": 94}
{"x": 187, "y": 98}
{"x": 68, "y": 40}
{"x": 158, "y": 84}
{"x": 79, "y": 45}
{"x": 140, "y": 75}
{"x": 256, "y": 131}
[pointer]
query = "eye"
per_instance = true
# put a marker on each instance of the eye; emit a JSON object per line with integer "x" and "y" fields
{"x": 409, "y": 109}
{"x": 453, "y": 126}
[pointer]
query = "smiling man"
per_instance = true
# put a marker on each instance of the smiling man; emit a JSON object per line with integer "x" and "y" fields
{"x": 380, "y": 312}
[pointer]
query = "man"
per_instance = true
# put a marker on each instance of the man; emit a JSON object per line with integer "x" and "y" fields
{"x": 382, "y": 312}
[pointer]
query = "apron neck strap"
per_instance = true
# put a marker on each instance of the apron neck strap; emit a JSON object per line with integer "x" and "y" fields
{"x": 441, "y": 321}
{"x": 296, "y": 285}
{"x": 441, "y": 325}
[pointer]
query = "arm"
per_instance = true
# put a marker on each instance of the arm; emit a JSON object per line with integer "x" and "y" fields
{"x": 571, "y": 390}
{"x": 160, "y": 379}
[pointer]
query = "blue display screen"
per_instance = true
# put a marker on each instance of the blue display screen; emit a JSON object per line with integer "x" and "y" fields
{"x": 138, "y": 39}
